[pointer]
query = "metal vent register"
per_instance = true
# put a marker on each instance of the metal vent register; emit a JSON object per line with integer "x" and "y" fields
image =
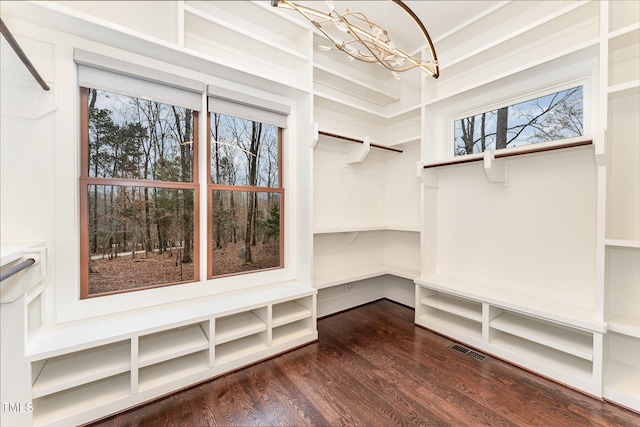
{"x": 468, "y": 352}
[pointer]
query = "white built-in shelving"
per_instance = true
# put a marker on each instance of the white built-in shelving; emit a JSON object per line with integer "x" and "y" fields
{"x": 366, "y": 214}
{"x": 554, "y": 338}
{"x": 491, "y": 56}
{"x": 485, "y": 279}
{"x": 621, "y": 382}
{"x": 130, "y": 364}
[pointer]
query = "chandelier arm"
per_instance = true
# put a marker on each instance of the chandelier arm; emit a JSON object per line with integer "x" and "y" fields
{"x": 382, "y": 61}
{"x": 424, "y": 33}
{"x": 376, "y": 46}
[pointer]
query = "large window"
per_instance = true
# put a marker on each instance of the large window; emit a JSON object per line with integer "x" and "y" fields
{"x": 138, "y": 185}
{"x": 548, "y": 118}
{"x": 245, "y": 191}
{"x": 139, "y": 189}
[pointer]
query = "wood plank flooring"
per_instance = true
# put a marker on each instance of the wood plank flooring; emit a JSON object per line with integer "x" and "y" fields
{"x": 373, "y": 367}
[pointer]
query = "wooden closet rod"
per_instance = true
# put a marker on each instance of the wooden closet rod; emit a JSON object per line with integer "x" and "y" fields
{"x": 23, "y": 57}
{"x": 508, "y": 153}
{"x": 346, "y": 138}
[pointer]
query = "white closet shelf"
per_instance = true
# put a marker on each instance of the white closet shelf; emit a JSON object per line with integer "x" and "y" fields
{"x": 464, "y": 308}
{"x": 622, "y": 383}
{"x": 543, "y": 359}
{"x": 232, "y": 350}
{"x": 629, "y": 29}
{"x": 330, "y": 78}
{"x": 55, "y": 409}
{"x": 554, "y": 311}
{"x": 288, "y": 333}
{"x": 325, "y": 99}
{"x": 623, "y": 243}
{"x": 626, "y": 325}
{"x": 288, "y": 312}
{"x": 67, "y": 20}
{"x": 237, "y": 326}
{"x": 172, "y": 370}
{"x": 72, "y": 370}
{"x": 356, "y": 274}
{"x": 456, "y": 327}
{"x": 187, "y": 340}
{"x": 90, "y": 333}
{"x": 359, "y": 228}
{"x": 579, "y": 345}
{"x": 223, "y": 25}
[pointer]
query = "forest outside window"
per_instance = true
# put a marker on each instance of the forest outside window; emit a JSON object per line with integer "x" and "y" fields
{"x": 548, "y": 118}
{"x": 245, "y": 191}
{"x": 138, "y": 185}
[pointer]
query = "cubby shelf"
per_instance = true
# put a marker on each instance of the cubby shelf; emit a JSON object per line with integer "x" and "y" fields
{"x": 564, "y": 340}
{"x": 237, "y": 326}
{"x": 163, "y": 373}
{"x": 456, "y": 327}
{"x": 622, "y": 383}
{"x": 74, "y": 369}
{"x": 556, "y": 311}
{"x": 543, "y": 342}
{"x": 154, "y": 349}
{"x": 572, "y": 370}
{"x": 289, "y": 332}
{"x": 96, "y": 379}
{"x": 288, "y": 312}
{"x": 232, "y": 350}
{"x": 468, "y": 309}
{"x": 63, "y": 408}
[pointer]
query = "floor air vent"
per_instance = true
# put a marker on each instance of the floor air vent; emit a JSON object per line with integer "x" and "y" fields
{"x": 470, "y": 353}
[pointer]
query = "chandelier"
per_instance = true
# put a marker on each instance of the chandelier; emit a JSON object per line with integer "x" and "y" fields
{"x": 354, "y": 34}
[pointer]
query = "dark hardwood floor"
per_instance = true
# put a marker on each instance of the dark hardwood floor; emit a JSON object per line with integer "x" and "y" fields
{"x": 373, "y": 367}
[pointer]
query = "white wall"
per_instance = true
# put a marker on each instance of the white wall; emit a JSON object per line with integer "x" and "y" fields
{"x": 40, "y": 153}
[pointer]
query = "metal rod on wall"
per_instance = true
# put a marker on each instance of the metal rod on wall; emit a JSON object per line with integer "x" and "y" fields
{"x": 346, "y": 138}
{"x": 23, "y": 56}
{"x": 17, "y": 269}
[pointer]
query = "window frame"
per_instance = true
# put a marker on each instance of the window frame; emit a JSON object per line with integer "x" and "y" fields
{"x": 85, "y": 181}
{"x": 545, "y": 83}
{"x": 530, "y": 97}
{"x": 280, "y": 190}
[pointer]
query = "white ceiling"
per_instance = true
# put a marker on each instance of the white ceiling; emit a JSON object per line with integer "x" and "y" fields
{"x": 438, "y": 16}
